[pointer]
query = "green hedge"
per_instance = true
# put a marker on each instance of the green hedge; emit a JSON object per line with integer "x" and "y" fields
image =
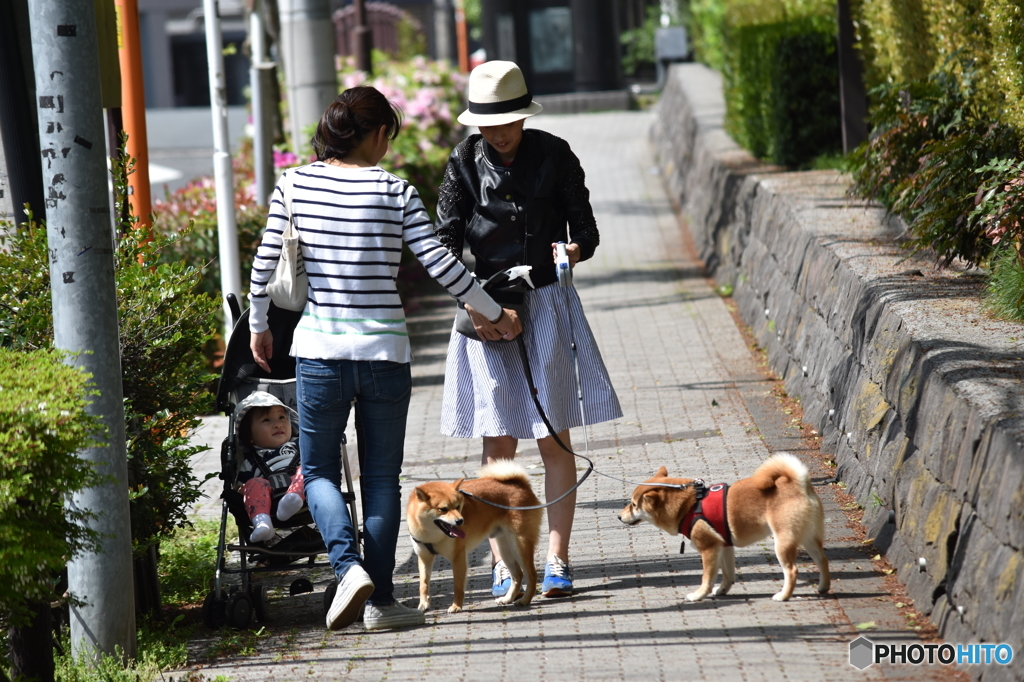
{"x": 43, "y": 424}
{"x": 906, "y": 41}
{"x": 782, "y": 89}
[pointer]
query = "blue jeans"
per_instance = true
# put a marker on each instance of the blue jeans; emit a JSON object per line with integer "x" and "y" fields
{"x": 325, "y": 389}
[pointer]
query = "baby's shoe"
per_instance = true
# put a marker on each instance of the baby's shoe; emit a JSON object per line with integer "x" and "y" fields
{"x": 263, "y": 528}
{"x": 289, "y": 505}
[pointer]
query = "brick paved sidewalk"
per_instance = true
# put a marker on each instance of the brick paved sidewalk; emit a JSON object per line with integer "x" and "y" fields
{"x": 695, "y": 401}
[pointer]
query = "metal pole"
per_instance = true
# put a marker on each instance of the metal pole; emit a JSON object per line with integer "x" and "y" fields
{"x": 362, "y": 38}
{"x": 852, "y": 97}
{"x": 133, "y": 107}
{"x": 223, "y": 176}
{"x": 17, "y": 120}
{"x": 307, "y": 50}
{"x": 461, "y": 36}
{"x": 443, "y": 30}
{"x": 66, "y": 58}
{"x": 260, "y": 74}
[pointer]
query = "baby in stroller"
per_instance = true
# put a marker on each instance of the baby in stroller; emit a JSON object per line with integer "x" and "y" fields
{"x": 269, "y": 443}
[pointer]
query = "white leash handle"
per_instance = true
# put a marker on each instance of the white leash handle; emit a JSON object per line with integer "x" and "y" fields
{"x": 562, "y": 266}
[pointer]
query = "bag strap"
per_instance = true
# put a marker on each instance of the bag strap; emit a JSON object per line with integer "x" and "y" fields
{"x": 286, "y": 196}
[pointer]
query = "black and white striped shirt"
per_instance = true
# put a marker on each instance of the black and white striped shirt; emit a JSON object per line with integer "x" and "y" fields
{"x": 351, "y": 224}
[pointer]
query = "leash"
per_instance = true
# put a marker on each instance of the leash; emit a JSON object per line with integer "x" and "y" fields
{"x": 551, "y": 430}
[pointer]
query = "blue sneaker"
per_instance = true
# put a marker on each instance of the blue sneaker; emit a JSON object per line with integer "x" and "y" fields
{"x": 557, "y": 578}
{"x": 501, "y": 580}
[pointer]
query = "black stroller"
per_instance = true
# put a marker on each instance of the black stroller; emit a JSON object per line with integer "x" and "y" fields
{"x": 297, "y": 539}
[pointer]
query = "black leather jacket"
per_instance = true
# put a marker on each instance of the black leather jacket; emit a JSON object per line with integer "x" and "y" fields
{"x": 511, "y": 216}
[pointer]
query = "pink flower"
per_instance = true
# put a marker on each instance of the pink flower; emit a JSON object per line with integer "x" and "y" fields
{"x": 284, "y": 159}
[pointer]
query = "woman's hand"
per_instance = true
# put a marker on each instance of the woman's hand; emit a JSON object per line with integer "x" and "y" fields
{"x": 262, "y": 346}
{"x": 571, "y": 250}
{"x": 507, "y": 327}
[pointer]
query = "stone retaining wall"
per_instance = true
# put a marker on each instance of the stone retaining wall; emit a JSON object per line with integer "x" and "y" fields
{"x": 914, "y": 389}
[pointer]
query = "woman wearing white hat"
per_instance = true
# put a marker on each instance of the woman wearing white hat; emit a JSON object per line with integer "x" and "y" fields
{"x": 511, "y": 194}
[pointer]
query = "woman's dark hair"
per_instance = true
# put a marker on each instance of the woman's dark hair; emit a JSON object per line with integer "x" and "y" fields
{"x": 356, "y": 113}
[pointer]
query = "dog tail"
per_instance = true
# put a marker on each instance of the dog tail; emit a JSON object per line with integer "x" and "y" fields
{"x": 779, "y": 465}
{"x": 505, "y": 470}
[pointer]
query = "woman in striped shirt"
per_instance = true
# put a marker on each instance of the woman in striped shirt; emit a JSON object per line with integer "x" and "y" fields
{"x": 352, "y": 218}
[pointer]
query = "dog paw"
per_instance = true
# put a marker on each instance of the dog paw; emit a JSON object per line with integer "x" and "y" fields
{"x": 780, "y": 596}
{"x": 506, "y": 600}
{"x": 454, "y": 609}
{"x": 720, "y": 591}
{"x": 424, "y": 605}
{"x": 523, "y": 601}
{"x": 695, "y": 596}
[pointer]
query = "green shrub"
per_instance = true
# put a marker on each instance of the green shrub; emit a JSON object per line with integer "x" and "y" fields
{"x": 907, "y": 41}
{"x": 705, "y": 29}
{"x": 188, "y": 560}
{"x": 164, "y": 323}
{"x": 639, "y": 42}
{"x": 1004, "y": 294}
{"x": 930, "y": 160}
{"x": 43, "y": 424}
{"x": 782, "y": 88}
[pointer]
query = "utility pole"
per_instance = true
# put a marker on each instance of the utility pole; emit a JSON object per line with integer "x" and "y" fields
{"x": 18, "y": 127}
{"x": 307, "y": 50}
{"x": 133, "y": 107}
{"x": 223, "y": 174}
{"x": 74, "y": 172}
{"x": 362, "y": 38}
{"x": 261, "y": 72}
{"x": 852, "y": 97}
{"x": 462, "y": 35}
{"x": 443, "y": 30}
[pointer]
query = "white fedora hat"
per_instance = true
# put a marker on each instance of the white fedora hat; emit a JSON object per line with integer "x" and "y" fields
{"x": 498, "y": 95}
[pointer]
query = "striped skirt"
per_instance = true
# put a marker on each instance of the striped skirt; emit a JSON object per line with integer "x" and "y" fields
{"x": 485, "y": 388}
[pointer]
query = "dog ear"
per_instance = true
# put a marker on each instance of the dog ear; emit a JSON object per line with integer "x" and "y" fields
{"x": 422, "y": 495}
{"x": 458, "y": 483}
{"x": 662, "y": 472}
{"x": 647, "y": 496}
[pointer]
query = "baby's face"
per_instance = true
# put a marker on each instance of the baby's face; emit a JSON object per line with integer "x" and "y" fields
{"x": 273, "y": 429}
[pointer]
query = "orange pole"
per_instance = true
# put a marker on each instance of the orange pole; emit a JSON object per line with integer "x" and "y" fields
{"x": 133, "y": 106}
{"x": 461, "y": 36}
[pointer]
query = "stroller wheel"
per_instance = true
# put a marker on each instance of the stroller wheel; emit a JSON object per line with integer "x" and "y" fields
{"x": 300, "y": 586}
{"x": 329, "y": 596}
{"x": 258, "y": 595}
{"x": 215, "y": 610}
{"x": 239, "y": 610}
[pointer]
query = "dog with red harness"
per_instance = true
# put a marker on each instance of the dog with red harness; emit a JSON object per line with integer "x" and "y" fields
{"x": 777, "y": 500}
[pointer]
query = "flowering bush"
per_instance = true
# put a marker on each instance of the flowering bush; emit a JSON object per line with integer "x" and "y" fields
{"x": 190, "y": 216}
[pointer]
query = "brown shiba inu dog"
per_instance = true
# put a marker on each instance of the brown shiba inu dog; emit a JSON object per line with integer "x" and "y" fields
{"x": 444, "y": 521}
{"x": 778, "y": 500}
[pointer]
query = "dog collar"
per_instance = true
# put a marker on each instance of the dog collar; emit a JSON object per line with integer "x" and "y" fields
{"x": 710, "y": 507}
{"x": 428, "y": 545}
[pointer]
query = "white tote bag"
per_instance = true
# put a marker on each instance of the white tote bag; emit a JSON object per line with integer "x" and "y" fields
{"x": 288, "y": 287}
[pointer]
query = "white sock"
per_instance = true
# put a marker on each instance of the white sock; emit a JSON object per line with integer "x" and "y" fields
{"x": 289, "y": 505}
{"x": 263, "y": 528}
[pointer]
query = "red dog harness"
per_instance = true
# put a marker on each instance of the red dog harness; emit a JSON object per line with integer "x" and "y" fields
{"x": 710, "y": 507}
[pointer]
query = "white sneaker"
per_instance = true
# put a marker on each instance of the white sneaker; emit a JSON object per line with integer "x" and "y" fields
{"x": 263, "y": 528}
{"x": 394, "y": 615}
{"x": 289, "y": 505}
{"x": 353, "y": 591}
